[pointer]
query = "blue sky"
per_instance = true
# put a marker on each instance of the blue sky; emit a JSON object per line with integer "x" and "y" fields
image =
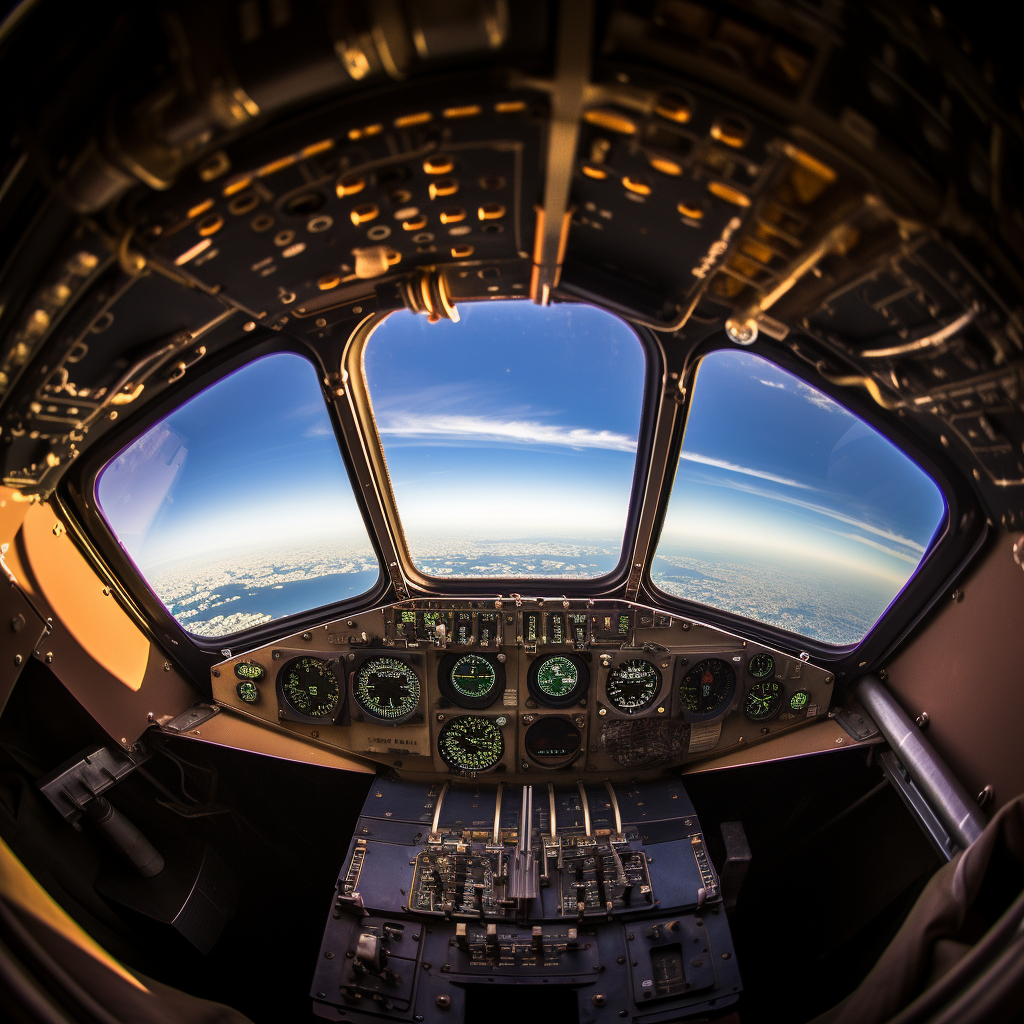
{"x": 518, "y": 422}
{"x": 252, "y": 462}
{"x": 773, "y": 469}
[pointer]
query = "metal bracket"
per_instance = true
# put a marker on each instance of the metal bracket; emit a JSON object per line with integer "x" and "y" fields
{"x": 196, "y": 715}
{"x": 857, "y": 722}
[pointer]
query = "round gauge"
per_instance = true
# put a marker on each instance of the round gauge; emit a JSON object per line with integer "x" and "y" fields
{"x": 471, "y": 680}
{"x": 558, "y": 680}
{"x": 248, "y": 691}
{"x": 309, "y": 687}
{"x": 761, "y": 666}
{"x": 470, "y": 743}
{"x": 763, "y": 701}
{"x": 708, "y": 687}
{"x": 387, "y": 688}
{"x": 552, "y": 741}
{"x": 799, "y": 700}
{"x": 633, "y": 685}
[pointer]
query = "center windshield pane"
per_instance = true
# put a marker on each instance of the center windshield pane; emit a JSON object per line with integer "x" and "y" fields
{"x": 787, "y": 508}
{"x": 510, "y": 436}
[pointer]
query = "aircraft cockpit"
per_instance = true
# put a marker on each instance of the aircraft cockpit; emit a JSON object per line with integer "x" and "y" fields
{"x": 510, "y": 509}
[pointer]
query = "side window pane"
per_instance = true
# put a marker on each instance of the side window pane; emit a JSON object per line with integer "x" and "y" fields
{"x": 237, "y": 508}
{"x": 510, "y": 436}
{"x": 788, "y": 509}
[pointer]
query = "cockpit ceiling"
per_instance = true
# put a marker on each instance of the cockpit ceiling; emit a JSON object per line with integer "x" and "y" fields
{"x": 293, "y": 213}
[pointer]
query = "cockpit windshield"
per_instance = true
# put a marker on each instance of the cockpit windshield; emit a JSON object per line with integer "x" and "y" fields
{"x": 787, "y": 508}
{"x": 510, "y": 436}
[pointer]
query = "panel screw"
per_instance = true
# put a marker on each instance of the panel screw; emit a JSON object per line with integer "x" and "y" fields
{"x": 598, "y": 998}
{"x": 49, "y": 657}
{"x": 18, "y": 659}
{"x": 307, "y": 637}
{"x": 329, "y": 955}
{"x": 922, "y": 720}
{"x": 443, "y": 1001}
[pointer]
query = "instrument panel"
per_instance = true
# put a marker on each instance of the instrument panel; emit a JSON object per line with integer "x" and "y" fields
{"x": 523, "y": 687}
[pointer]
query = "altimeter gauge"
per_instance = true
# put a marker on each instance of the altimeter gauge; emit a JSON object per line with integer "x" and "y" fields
{"x": 309, "y": 687}
{"x": 707, "y": 688}
{"x": 471, "y": 680}
{"x": 470, "y": 743}
{"x": 387, "y": 689}
{"x": 633, "y": 685}
{"x": 763, "y": 701}
{"x": 558, "y": 680}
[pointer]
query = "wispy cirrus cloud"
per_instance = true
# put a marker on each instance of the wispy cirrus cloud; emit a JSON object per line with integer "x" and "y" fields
{"x": 480, "y": 429}
{"x": 732, "y": 467}
{"x": 822, "y": 510}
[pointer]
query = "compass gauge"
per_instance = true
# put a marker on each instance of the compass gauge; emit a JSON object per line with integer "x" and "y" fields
{"x": 763, "y": 701}
{"x": 387, "y": 689}
{"x": 558, "y": 680}
{"x": 309, "y": 687}
{"x": 633, "y": 685}
{"x": 470, "y": 743}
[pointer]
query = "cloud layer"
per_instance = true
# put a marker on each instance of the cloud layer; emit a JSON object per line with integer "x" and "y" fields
{"x": 480, "y": 429}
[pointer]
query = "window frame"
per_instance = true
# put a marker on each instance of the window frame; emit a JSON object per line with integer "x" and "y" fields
{"x": 604, "y": 585}
{"x": 958, "y": 538}
{"x": 77, "y": 491}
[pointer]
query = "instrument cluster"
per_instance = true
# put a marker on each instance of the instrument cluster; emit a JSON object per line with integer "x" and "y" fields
{"x": 463, "y": 688}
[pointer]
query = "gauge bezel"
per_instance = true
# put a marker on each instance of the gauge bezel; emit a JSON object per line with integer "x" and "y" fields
{"x": 447, "y": 688}
{"x": 767, "y": 675}
{"x": 766, "y": 681}
{"x": 290, "y": 710}
{"x": 460, "y": 769}
{"x": 553, "y": 763}
{"x": 358, "y": 709}
{"x": 723, "y": 708}
{"x": 643, "y": 708}
{"x": 578, "y": 693}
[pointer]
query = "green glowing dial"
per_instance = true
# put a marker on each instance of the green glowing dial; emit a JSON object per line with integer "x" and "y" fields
{"x": 387, "y": 688}
{"x": 557, "y": 677}
{"x": 249, "y": 670}
{"x": 309, "y": 687}
{"x": 633, "y": 685}
{"x": 558, "y": 680}
{"x": 799, "y": 700}
{"x": 470, "y": 743}
{"x": 248, "y": 691}
{"x": 761, "y": 666}
{"x": 763, "y": 701}
{"x": 472, "y": 676}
